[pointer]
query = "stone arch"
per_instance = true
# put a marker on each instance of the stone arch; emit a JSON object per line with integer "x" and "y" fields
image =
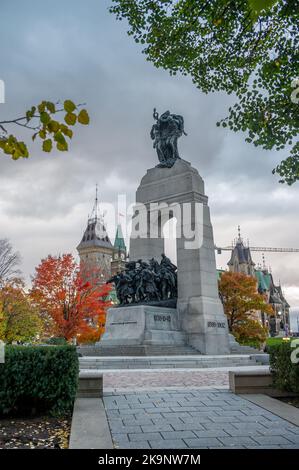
{"x": 199, "y": 307}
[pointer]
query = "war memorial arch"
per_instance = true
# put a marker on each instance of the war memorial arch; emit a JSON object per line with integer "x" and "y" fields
{"x": 194, "y": 315}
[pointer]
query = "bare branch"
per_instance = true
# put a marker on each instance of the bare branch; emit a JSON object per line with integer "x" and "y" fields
{"x": 9, "y": 261}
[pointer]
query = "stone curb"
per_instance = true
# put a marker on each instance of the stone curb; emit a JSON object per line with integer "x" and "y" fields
{"x": 277, "y": 407}
{"x": 90, "y": 428}
{"x": 255, "y": 381}
{"x": 90, "y": 384}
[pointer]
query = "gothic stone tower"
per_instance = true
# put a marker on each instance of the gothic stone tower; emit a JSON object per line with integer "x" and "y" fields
{"x": 95, "y": 249}
{"x": 241, "y": 261}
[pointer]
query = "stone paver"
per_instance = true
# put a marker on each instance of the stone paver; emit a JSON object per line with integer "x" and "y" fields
{"x": 164, "y": 378}
{"x": 177, "y": 418}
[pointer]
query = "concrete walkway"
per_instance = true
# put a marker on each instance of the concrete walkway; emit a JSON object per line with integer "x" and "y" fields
{"x": 90, "y": 429}
{"x": 182, "y": 418}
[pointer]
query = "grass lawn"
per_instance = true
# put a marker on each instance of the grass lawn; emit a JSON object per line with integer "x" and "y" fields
{"x": 274, "y": 341}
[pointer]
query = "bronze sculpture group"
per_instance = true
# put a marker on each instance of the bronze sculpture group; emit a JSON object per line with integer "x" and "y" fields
{"x": 165, "y": 133}
{"x": 143, "y": 282}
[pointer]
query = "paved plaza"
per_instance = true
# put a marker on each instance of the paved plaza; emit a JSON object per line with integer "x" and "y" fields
{"x": 182, "y": 418}
{"x": 115, "y": 380}
{"x": 147, "y": 379}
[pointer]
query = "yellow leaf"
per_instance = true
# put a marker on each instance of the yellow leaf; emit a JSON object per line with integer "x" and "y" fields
{"x": 83, "y": 117}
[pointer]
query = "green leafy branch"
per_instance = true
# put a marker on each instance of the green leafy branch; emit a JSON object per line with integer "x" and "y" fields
{"x": 248, "y": 48}
{"x": 41, "y": 120}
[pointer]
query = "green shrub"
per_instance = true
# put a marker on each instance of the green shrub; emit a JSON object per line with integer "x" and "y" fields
{"x": 253, "y": 343}
{"x": 285, "y": 373}
{"x": 57, "y": 341}
{"x": 38, "y": 378}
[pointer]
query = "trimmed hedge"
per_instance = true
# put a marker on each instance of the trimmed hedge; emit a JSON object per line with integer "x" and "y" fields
{"x": 38, "y": 378}
{"x": 285, "y": 372}
{"x": 57, "y": 341}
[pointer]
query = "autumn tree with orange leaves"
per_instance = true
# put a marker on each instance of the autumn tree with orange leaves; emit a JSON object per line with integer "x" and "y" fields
{"x": 70, "y": 305}
{"x": 240, "y": 299}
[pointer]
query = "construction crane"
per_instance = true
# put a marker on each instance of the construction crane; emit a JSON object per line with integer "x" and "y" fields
{"x": 263, "y": 249}
{"x": 259, "y": 248}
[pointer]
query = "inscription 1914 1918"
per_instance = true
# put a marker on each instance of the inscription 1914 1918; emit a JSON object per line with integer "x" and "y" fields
{"x": 215, "y": 324}
{"x": 162, "y": 318}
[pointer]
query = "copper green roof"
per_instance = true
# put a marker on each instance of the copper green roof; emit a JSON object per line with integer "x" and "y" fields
{"x": 113, "y": 297}
{"x": 264, "y": 280}
{"x": 119, "y": 242}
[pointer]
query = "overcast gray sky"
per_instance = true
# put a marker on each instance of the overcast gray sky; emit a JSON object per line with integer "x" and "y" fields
{"x": 74, "y": 49}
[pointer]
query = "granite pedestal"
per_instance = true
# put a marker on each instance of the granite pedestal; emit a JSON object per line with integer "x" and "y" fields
{"x": 142, "y": 325}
